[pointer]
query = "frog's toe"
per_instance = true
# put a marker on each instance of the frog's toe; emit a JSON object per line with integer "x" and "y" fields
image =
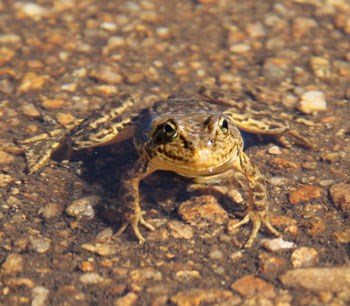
{"x": 122, "y": 229}
{"x": 136, "y": 230}
{"x": 256, "y": 220}
{"x": 270, "y": 227}
{"x": 134, "y": 223}
{"x": 146, "y": 224}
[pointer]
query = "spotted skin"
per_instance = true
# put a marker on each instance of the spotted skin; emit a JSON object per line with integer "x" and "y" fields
{"x": 197, "y": 138}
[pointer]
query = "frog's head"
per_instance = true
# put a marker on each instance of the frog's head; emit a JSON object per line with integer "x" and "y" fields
{"x": 193, "y": 143}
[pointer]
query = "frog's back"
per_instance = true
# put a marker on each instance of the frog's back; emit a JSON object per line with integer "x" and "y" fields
{"x": 180, "y": 107}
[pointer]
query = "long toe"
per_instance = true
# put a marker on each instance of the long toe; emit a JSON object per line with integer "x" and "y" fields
{"x": 146, "y": 224}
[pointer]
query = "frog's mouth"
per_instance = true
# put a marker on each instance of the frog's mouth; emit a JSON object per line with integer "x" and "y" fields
{"x": 201, "y": 163}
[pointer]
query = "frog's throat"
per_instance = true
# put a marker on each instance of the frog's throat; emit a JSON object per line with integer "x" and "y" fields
{"x": 194, "y": 169}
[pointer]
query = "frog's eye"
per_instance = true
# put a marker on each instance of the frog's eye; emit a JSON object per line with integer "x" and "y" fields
{"x": 169, "y": 129}
{"x": 223, "y": 125}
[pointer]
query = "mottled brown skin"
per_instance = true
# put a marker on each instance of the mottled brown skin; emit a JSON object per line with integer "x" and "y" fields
{"x": 196, "y": 138}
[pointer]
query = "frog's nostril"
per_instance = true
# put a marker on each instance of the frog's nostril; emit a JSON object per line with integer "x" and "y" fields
{"x": 190, "y": 145}
{"x": 211, "y": 142}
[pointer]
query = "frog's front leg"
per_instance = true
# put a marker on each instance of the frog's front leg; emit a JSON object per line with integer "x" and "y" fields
{"x": 257, "y": 209}
{"x": 130, "y": 200}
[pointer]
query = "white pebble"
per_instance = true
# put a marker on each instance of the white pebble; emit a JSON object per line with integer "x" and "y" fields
{"x": 278, "y": 181}
{"x": 83, "y": 207}
{"x": 312, "y": 101}
{"x": 274, "y": 150}
{"x": 91, "y": 278}
{"x": 278, "y": 244}
{"x": 240, "y": 48}
{"x": 40, "y": 295}
{"x": 33, "y": 10}
{"x": 109, "y": 26}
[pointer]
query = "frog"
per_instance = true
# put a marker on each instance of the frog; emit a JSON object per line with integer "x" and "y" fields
{"x": 197, "y": 137}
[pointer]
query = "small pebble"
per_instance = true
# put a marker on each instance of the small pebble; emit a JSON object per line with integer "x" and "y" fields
{"x": 5, "y": 180}
{"x": 277, "y": 245}
{"x": 134, "y": 77}
{"x": 50, "y": 211}
{"x": 109, "y": 26}
{"x": 128, "y": 299}
{"x": 310, "y": 165}
{"x": 6, "y": 55}
{"x": 180, "y": 230}
{"x": 102, "y": 249}
{"x": 83, "y": 207}
{"x": 186, "y": 275}
{"x": 6, "y": 158}
{"x": 271, "y": 264}
{"x": 39, "y": 244}
{"x": 304, "y": 257}
{"x": 87, "y": 266}
{"x": 15, "y": 282}
{"x": 115, "y": 42}
{"x": 274, "y": 150}
{"x": 70, "y": 87}
{"x": 240, "y": 48}
{"x": 332, "y": 157}
{"x": 320, "y": 67}
{"x": 282, "y": 163}
{"x": 106, "y": 90}
{"x": 340, "y": 194}
{"x": 14, "y": 263}
{"x": 302, "y": 26}
{"x": 236, "y": 256}
{"x": 325, "y": 183}
{"x": 276, "y": 69}
{"x": 9, "y": 39}
{"x": 31, "y": 82}
{"x": 312, "y": 101}
{"x": 317, "y": 279}
{"x": 39, "y": 296}
{"x": 65, "y": 118}
{"x": 251, "y": 285}
{"x": 163, "y": 32}
{"x": 13, "y": 202}
{"x": 207, "y": 2}
{"x": 216, "y": 254}
{"x": 202, "y": 211}
{"x": 197, "y": 296}
{"x": 91, "y": 278}
{"x": 106, "y": 74}
{"x": 32, "y": 10}
{"x": 144, "y": 274}
{"x": 227, "y": 78}
{"x": 342, "y": 236}
{"x": 305, "y": 194}
{"x": 30, "y": 110}
{"x": 279, "y": 181}
{"x": 53, "y": 103}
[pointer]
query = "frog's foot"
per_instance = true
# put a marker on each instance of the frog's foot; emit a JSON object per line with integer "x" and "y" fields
{"x": 134, "y": 223}
{"x": 293, "y": 136}
{"x": 256, "y": 219}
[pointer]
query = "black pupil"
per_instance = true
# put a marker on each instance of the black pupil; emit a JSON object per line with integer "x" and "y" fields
{"x": 169, "y": 129}
{"x": 224, "y": 125}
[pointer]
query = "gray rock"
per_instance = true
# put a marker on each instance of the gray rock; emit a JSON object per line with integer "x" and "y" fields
{"x": 318, "y": 279}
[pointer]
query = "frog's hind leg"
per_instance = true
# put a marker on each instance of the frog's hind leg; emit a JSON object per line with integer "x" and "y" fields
{"x": 301, "y": 140}
{"x": 271, "y": 126}
{"x": 42, "y": 148}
